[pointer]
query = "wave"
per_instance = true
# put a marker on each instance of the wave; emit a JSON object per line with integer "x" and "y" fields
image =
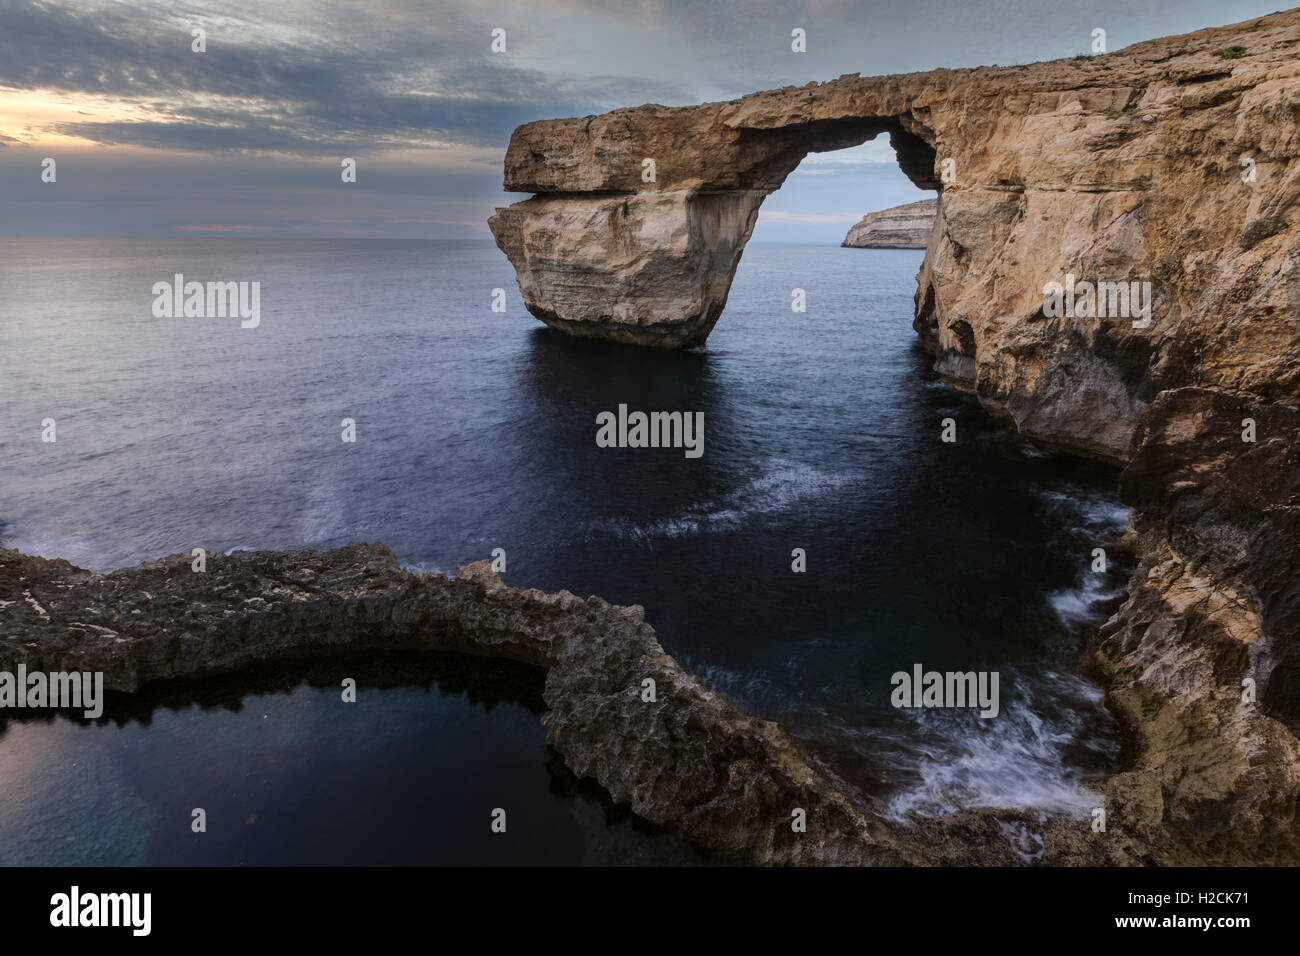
{"x": 1085, "y": 512}
{"x": 1078, "y": 605}
{"x": 753, "y": 691}
{"x": 942, "y": 761}
{"x": 1014, "y": 761}
{"x": 786, "y": 484}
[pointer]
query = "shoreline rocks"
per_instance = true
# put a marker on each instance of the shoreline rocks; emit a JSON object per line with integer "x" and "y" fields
{"x": 1199, "y": 662}
{"x": 1143, "y": 180}
{"x": 1163, "y": 163}
{"x": 1210, "y": 778}
{"x": 688, "y": 761}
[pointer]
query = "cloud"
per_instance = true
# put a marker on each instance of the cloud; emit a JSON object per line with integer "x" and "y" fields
{"x": 250, "y": 132}
{"x": 287, "y": 78}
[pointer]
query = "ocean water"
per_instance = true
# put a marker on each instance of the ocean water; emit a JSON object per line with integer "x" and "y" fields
{"x": 476, "y": 430}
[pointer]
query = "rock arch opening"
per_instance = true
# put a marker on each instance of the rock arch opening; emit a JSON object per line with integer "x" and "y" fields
{"x": 636, "y": 238}
{"x": 857, "y": 196}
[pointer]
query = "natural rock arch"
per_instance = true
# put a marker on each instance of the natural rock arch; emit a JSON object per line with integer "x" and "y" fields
{"x": 1121, "y": 167}
{"x": 1167, "y": 163}
{"x": 604, "y": 254}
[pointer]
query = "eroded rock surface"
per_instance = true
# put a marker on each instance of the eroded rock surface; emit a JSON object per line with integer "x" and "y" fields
{"x": 1203, "y": 658}
{"x": 899, "y": 227}
{"x": 1173, "y": 164}
{"x": 1211, "y": 776}
{"x": 1120, "y": 167}
{"x": 688, "y": 761}
{"x": 1200, "y": 661}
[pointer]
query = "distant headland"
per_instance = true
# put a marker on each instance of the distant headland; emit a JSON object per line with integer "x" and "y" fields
{"x": 898, "y": 227}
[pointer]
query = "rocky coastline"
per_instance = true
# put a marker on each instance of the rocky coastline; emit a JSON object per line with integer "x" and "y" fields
{"x": 1144, "y": 180}
{"x": 1210, "y": 777}
{"x": 687, "y": 760}
{"x": 1170, "y": 168}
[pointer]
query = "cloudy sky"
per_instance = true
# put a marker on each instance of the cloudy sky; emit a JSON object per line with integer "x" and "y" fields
{"x": 153, "y": 139}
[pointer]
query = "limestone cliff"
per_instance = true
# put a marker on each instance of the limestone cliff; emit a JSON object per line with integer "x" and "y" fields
{"x": 1175, "y": 162}
{"x": 1169, "y": 171}
{"x": 1120, "y": 167}
{"x": 899, "y": 227}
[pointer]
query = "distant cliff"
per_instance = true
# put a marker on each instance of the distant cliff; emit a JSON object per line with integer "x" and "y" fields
{"x": 900, "y": 227}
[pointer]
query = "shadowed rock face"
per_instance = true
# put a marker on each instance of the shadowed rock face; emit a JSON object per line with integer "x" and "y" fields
{"x": 1214, "y": 602}
{"x": 1119, "y": 167}
{"x": 1116, "y": 167}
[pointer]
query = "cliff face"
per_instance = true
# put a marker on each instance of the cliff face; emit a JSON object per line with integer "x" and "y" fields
{"x": 1154, "y": 190}
{"x": 1124, "y": 167}
{"x": 899, "y": 227}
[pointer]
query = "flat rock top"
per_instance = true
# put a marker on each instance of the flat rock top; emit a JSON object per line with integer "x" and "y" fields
{"x": 584, "y": 154}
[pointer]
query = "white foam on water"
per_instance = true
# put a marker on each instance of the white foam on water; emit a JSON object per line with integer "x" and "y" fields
{"x": 1077, "y": 605}
{"x": 780, "y": 488}
{"x": 754, "y": 688}
{"x": 1090, "y": 513}
{"x": 1012, "y": 761}
{"x": 953, "y": 759}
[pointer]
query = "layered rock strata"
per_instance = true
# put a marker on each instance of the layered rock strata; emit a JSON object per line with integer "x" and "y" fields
{"x": 1200, "y": 662}
{"x": 1169, "y": 172}
{"x": 899, "y": 227}
{"x": 1174, "y": 162}
{"x": 1203, "y": 661}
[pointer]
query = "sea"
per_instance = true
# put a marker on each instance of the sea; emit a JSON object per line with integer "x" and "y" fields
{"x": 475, "y": 430}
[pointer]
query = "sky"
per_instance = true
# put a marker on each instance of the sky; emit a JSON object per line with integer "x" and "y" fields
{"x": 151, "y": 138}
